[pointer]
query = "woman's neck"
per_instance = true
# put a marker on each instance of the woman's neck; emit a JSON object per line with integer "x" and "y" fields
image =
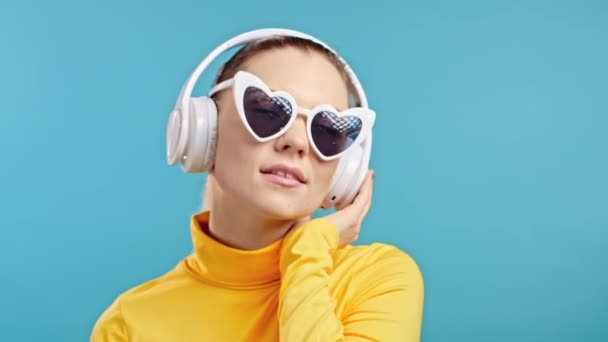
{"x": 243, "y": 226}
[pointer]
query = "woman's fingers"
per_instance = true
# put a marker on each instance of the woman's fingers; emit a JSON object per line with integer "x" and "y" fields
{"x": 362, "y": 202}
{"x": 365, "y": 194}
{"x": 365, "y": 211}
{"x": 348, "y": 218}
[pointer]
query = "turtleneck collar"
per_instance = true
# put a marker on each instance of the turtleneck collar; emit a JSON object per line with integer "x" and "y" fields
{"x": 229, "y": 267}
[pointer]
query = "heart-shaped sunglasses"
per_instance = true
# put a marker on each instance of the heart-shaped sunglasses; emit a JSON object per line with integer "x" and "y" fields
{"x": 267, "y": 114}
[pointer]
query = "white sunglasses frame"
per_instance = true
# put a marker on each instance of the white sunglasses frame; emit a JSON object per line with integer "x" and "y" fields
{"x": 243, "y": 79}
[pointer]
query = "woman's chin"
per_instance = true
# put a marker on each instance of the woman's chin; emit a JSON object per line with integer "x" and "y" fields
{"x": 282, "y": 208}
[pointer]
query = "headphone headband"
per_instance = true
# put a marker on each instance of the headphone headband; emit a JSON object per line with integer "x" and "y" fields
{"x": 182, "y": 107}
{"x": 251, "y": 36}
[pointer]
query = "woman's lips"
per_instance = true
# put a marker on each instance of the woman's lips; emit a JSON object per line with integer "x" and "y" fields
{"x": 280, "y": 180}
{"x": 280, "y": 177}
{"x": 284, "y": 175}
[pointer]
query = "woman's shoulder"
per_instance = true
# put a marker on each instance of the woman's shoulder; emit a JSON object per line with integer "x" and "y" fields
{"x": 157, "y": 286}
{"x": 142, "y": 302}
{"x": 379, "y": 261}
{"x": 140, "y": 298}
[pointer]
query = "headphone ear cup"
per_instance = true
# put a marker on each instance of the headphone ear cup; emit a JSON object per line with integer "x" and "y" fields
{"x": 347, "y": 179}
{"x": 355, "y": 179}
{"x": 175, "y": 145}
{"x": 202, "y": 140}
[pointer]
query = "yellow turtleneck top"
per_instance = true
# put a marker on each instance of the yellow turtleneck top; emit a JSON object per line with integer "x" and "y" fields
{"x": 300, "y": 288}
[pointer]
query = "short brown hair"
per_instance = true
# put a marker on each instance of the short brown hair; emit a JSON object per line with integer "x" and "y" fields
{"x": 230, "y": 68}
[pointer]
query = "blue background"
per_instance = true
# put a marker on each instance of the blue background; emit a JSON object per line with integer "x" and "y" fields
{"x": 490, "y": 154}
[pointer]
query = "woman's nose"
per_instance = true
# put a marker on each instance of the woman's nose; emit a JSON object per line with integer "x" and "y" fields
{"x": 294, "y": 140}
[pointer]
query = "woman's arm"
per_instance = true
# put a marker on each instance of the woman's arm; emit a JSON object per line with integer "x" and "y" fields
{"x": 110, "y": 327}
{"x": 387, "y": 308}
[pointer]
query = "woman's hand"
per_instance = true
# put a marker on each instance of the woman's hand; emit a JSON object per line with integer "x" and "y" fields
{"x": 348, "y": 218}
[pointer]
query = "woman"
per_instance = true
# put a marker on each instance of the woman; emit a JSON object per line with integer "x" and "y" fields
{"x": 262, "y": 269}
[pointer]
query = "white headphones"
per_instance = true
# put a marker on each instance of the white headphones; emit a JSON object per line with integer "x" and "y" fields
{"x": 192, "y": 127}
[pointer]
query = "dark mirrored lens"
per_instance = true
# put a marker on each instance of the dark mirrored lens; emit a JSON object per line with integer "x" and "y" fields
{"x": 265, "y": 115}
{"x": 332, "y": 134}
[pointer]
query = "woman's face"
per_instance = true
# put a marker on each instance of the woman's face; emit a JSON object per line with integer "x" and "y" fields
{"x": 241, "y": 161}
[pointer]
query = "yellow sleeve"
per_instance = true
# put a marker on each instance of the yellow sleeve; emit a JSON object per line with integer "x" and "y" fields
{"x": 110, "y": 327}
{"x": 388, "y": 308}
